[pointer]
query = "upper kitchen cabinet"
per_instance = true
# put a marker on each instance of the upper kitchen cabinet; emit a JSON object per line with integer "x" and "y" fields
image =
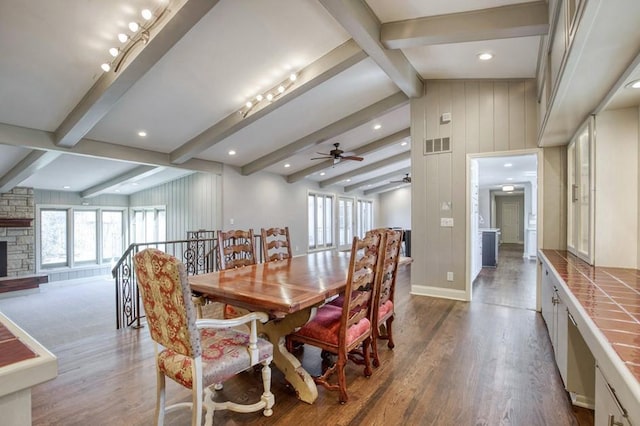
{"x": 581, "y": 59}
{"x": 580, "y": 191}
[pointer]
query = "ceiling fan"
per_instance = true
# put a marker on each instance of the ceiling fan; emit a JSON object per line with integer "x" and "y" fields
{"x": 405, "y": 179}
{"x": 336, "y": 155}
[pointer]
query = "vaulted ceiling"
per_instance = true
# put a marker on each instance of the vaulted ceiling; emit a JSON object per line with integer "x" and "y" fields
{"x": 64, "y": 122}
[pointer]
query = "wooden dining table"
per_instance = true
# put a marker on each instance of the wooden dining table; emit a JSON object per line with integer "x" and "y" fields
{"x": 287, "y": 290}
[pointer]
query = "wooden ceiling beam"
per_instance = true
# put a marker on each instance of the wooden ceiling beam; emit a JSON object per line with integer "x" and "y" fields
{"x": 366, "y": 169}
{"x": 516, "y": 20}
{"x": 334, "y": 129}
{"x": 363, "y": 150}
{"x": 140, "y": 172}
{"x": 110, "y": 87}
{"x": 328, "y": 66}
{"x": 45, "y": 141}
{"x": 27, "y": 167}
{"x": 358, "y": 19}
{"x": 377, "y": 179}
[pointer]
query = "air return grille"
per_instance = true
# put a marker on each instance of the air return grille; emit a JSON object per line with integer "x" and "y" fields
{"x": 437, "y": 146}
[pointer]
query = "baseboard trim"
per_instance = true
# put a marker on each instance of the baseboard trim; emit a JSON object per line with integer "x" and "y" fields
{"x": 443, "y": 293}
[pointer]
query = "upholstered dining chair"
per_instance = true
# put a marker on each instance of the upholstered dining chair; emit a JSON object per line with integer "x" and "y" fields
{"x": 196, "y": 353}
{"x": 383, "y": 307}
{"x": 276, "y": 244}
{"x": 341, "y": 330}
{"x": 235, "y": 249}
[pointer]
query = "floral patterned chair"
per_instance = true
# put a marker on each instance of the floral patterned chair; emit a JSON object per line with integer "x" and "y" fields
{"x": 346, "y": 329}
{"x": 196, "y": 353}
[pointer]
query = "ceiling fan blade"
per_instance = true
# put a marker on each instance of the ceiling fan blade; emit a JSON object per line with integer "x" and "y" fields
{"x": 352, "y": 157}
{"x": 323, "y": 153}
{"x": 321, "y": 158}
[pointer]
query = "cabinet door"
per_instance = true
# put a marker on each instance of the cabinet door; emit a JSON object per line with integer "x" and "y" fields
{"x": 608, "y": 411}
{"x": 547, "y": 293}
{"x": 560, "y": 347}
{"x": 580, "y": 192}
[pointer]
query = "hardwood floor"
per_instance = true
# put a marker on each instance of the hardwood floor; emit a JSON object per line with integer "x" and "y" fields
{"x": 455, "y": 363}
{"x": 512, "y": 283}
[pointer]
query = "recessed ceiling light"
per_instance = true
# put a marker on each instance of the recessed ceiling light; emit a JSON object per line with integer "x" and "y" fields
{"x": 508, "y": 165}
{"x": 322, "y": 173}
{"x": 509, "y": 178}
{"x": 508, "y": 188}
{"x": 117, "y": 190}
{"x": 66, "y": 187}
{"x": 485, "y": 56}
{"x": 134, "y": 184}
{"x": 232, "y": 152}
{"x": 403, "y": 143}
{"x": 634, "y": 84}
{"x": 377, "y": 127}
{"x": 142, "y": 133}
{"x": 348, "y": 180}
{"x": 286, "y": 166}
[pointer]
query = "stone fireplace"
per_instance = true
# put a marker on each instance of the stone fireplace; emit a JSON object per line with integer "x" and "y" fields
{"x": 17, "y": 240}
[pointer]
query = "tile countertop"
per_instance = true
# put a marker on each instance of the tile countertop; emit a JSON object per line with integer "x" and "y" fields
{"x": 611, "y": 299}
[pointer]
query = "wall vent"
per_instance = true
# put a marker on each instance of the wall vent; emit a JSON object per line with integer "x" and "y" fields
{"x": 437, "y": 146}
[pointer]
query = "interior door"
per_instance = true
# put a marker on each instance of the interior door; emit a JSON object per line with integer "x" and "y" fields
{"x": 345, "y": 222}
{"x": 511, "y": 221}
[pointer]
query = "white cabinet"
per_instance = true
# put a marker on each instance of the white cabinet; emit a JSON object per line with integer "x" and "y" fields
{"x": 608, "y": 411}
{"x": 580, "y": 192}
{"x": 573, "y": 357}
{"x": 554, "y": 313}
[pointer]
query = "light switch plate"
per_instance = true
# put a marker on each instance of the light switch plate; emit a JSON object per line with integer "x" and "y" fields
{"x": 446, "y": 222}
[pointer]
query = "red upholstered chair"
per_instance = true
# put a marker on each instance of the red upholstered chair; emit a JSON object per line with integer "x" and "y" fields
{"x": 235, "y": 249}
{"x": 341, "y": 330}
{"x": 383, "y": 307}
{"x": 196, "y": 353}
{"x": 276, "y": 244}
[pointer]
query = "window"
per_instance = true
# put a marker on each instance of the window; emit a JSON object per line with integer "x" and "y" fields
{"x": 85, "y": 234}
{"x": 365, "y": 217}
{"x": 345, "y": 222}
{"x": 70, "y": 237}
{"x": 320, "y": 211}
{"x": 149, "y": 225}
{"x": 112, "y": 235}
{"x": 53, "y": 238}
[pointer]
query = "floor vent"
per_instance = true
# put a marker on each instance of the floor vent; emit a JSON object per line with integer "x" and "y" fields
{"x": 437, "y": 146}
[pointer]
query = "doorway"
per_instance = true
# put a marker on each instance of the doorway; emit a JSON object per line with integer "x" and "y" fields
{"x": 502, "y": 199}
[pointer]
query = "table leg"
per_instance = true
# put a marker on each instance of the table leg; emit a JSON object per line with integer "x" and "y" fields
{"x": 293, "y": 371}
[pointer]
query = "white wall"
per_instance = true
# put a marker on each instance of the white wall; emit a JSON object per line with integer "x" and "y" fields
{"x": 395, "y": 208}
{"x": 267, "y": 200}
{"x": 192, "y": 203}
{"x": 616, "y": 195}
{"x": 486, "y": 116}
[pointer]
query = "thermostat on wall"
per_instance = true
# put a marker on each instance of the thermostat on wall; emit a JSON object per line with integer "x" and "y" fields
{"x": 445, "y": 118}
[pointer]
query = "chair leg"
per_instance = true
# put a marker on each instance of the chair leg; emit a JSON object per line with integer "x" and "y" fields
{"x": 367, "y": 357}
{"x": 390, "y": 343}
{"x": 374, "y": 348}
{"x": 342, "y": 377}
{"x": 267, "y": 396}
{"x": 197, "y": 400}
{"x": 160, "y": 397}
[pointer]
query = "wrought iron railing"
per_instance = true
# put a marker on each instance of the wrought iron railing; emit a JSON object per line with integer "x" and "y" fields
{"x": 197, "y": 253}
